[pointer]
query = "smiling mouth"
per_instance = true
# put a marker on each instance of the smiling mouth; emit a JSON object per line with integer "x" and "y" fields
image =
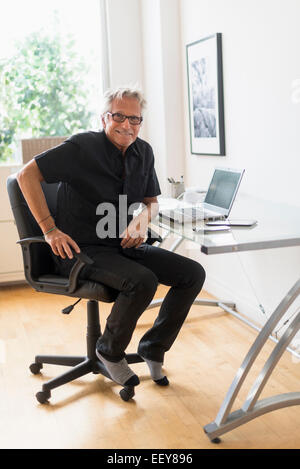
{"x": 126, "y": 134}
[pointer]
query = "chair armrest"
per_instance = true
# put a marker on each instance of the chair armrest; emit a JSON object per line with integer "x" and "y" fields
{"x": 40, "y": 239}
{"x": 82, "y": 259}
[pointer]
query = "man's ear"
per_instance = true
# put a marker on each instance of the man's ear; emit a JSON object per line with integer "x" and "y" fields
{"x": 103, "y": 121}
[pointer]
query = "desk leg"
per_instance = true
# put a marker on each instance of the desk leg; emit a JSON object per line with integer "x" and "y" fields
{"x": 226, "y": 421}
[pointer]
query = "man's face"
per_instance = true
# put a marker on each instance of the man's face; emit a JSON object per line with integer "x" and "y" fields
{"x": 122, "y": 134}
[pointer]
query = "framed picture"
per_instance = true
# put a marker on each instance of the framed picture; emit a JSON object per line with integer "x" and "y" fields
{"x": 206, "y": 103}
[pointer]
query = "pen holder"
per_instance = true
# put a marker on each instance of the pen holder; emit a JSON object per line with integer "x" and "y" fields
{"x": 177, "y": 188}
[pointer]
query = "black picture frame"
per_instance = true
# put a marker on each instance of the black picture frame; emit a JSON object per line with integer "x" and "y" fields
{"x": 206, "y": 96}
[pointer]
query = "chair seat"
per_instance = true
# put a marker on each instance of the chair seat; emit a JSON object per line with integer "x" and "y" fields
{"x": 85, "y": 289}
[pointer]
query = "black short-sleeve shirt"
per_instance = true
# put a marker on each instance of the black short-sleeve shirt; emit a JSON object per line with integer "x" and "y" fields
{"x": 92, "y": 171}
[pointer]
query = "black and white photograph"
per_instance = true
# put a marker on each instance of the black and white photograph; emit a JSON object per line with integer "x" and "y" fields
{"x": 206, "y": 110}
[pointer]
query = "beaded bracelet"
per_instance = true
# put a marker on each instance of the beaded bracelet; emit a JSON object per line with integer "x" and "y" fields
{"x": 51, "y": 229}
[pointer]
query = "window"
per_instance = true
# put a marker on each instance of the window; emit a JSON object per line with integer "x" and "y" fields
{"x": 50, "y": 71}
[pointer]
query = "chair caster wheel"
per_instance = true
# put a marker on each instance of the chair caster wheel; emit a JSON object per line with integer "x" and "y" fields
{"x": 35, "y": 368}
{"x": 43, "y": 396}
{"x": 127, "y": 393}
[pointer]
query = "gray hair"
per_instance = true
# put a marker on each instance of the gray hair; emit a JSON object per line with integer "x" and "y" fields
{"x": 120, "y": 93}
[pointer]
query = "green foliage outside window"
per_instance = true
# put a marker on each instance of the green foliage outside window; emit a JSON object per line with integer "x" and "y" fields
{"x": 42, "y": 92}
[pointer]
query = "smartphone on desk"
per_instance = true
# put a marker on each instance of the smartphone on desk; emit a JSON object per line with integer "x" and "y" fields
{"x": 234, "y": 222}
{"x": 211, "y": 229}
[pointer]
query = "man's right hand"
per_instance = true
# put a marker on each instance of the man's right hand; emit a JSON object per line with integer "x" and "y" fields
{"x": 60, "y": 243}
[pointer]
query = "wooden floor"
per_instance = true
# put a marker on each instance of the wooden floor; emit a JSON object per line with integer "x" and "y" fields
{"x": 88, "y": 413}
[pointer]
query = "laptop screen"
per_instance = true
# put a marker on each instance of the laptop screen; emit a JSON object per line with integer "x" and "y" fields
{"x": 222, "y": 188}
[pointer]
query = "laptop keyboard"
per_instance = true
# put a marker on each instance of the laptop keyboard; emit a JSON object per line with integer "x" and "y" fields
{"x": 196, "y": 214}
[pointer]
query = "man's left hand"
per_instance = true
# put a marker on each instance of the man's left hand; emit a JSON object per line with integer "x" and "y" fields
{"x": 135, "y": 233}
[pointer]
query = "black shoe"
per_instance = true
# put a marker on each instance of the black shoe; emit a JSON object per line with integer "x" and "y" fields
{"x": 162, "y": 382}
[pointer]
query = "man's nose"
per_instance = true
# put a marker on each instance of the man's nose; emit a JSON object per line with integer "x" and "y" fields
{"x": 126, "y": 123}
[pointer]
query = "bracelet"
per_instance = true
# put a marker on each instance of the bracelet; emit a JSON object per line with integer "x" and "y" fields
{"x": 51, "y": 229}
{"x": 44, "y": 219}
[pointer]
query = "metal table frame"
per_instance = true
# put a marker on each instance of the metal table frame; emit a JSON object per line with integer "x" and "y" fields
{"x": 252, "y": 408}
{"x": 226, "y": 420}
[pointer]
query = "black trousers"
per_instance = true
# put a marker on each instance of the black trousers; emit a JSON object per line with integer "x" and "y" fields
{"x": 135, "y": 273}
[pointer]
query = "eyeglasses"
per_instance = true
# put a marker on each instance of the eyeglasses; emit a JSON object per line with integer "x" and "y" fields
{"x": 133, "y": 120}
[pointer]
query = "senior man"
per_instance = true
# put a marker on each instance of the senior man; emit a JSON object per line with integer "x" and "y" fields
{"x": 103, "y": 174}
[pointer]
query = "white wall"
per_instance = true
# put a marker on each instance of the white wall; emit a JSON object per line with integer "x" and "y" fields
{"x": 261, "y": 62}
{"x": 163, "y": 86}
{"x": 124, "y": 42}
{"x": 153, "y": 85}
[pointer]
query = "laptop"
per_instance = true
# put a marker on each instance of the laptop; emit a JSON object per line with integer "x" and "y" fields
{"x": 218, "y": 201}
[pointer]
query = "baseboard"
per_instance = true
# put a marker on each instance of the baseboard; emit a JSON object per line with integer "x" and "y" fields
{"x": 10, "y": 278}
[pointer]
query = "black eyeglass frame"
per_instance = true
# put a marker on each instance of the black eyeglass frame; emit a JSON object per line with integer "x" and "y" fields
{"x": 123, "y": 118}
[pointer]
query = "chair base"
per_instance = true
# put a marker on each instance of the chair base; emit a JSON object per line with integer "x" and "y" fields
{"x": 81, "y": 365}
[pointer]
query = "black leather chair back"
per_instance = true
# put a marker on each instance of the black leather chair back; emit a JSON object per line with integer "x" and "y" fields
{"x": 42, "y": 258}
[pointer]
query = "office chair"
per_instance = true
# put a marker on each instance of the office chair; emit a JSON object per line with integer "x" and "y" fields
{"x": 41, "y": 273}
